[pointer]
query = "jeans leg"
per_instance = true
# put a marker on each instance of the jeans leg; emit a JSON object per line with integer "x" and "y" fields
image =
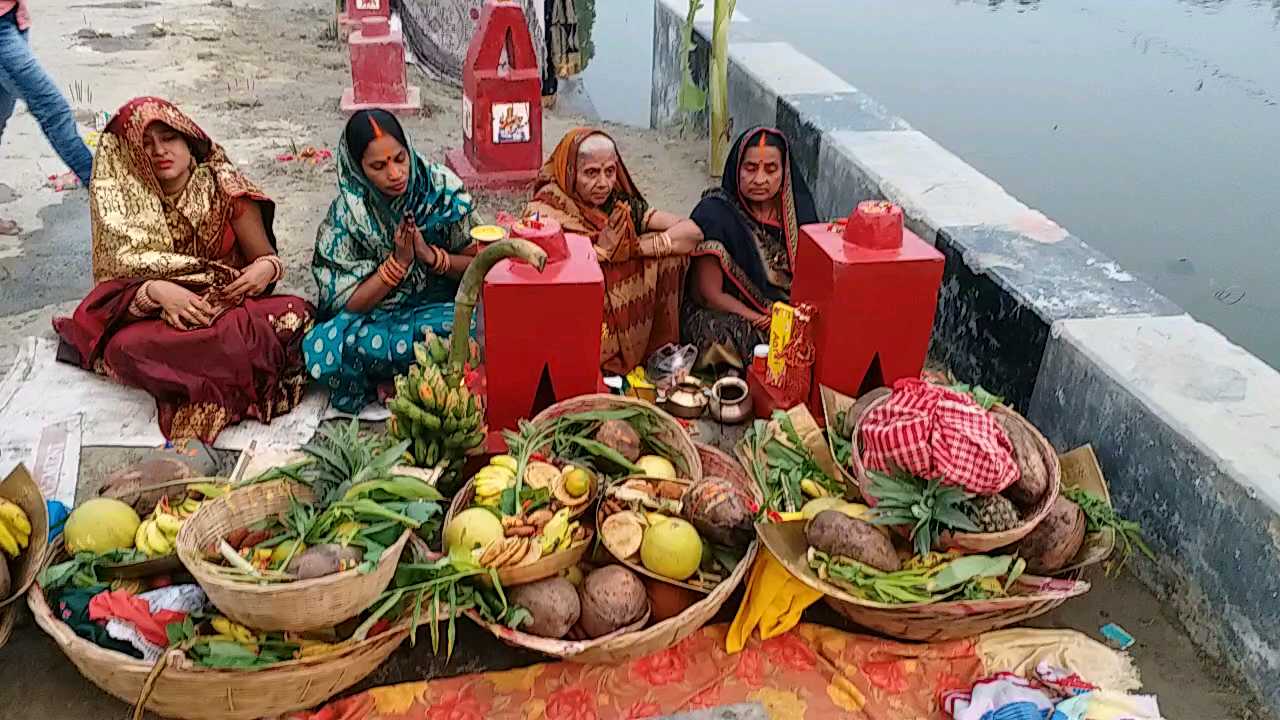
{"x": 8, "y": 101}
{"x": 22, "y": 76}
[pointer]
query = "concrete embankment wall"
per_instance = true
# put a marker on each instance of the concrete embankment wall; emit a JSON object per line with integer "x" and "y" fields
{"x": 1185, "y": 424}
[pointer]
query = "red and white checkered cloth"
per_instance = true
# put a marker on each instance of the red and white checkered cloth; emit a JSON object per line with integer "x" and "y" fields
{"x": 932, "y": 431}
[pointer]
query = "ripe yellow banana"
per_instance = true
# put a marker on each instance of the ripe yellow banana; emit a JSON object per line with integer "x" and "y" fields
{"x": 168, "y": 524}
{"x": 812, "y": 489}
{"x": 8, "y": 542}
{"x": 233, "y": 631}
{"x": 140, "y": 539}
{"x": 15, "y": 517}
{"x": 505, "y": 461}
{"x": 156, "y": 540}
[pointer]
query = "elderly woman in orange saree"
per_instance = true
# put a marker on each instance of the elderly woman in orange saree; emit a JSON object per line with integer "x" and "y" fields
{"x": 585, "y": 186}
{"x": 184, "y": 262}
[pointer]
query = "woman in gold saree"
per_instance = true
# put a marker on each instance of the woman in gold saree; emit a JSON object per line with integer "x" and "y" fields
{"x": 585, "y": 186}
{"x": 184, "y": 262}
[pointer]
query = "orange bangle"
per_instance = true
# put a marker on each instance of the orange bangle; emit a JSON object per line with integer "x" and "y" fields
{"x": 388, "y": 276}
{"x": 441, "y": 260}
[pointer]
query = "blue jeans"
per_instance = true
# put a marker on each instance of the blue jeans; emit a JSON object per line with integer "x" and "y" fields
{"x": 22, "y": 78}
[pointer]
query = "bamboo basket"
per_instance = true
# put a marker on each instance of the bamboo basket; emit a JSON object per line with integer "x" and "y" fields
{"x": 636, "y": 640}
{"x": 21, "y": 490}
{"x": 544, "y": 567}
{"x": 953, "y": 620}
{"x": 930, "y": 622}
{"x": 977, "y": 542}
{"x": 188, "y": 691}
{"x": 299, "y": 605}
{"x": 674, "y": 435}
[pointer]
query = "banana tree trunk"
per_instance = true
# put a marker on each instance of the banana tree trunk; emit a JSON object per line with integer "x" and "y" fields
{"x": 717, "y": 84}
{"x": 464, "y": 302}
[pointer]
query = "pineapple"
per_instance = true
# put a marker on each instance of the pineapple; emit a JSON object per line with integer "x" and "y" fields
{"x": 929, "y": 507}
{"x": 994, "y": 513}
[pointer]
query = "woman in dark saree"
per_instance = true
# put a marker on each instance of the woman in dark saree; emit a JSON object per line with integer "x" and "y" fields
{"x": 750, "y": 225}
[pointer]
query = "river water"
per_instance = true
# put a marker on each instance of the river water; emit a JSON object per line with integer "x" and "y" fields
{"x": 1148, "y": 128}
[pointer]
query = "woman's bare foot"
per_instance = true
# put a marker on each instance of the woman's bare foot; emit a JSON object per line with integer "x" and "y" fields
{"x": 10, "y": 227}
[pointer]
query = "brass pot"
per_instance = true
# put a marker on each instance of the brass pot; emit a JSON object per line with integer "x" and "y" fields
{"x": 730, "y": 400}
{"x": 686, "y": 400}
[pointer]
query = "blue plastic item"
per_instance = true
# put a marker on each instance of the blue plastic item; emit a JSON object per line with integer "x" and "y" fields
{"x": 1117, "y": 637}
{"x": 58, "y": 514}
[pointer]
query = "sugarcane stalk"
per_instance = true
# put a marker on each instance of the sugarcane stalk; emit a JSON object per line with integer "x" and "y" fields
{"x": 718, "y": 84}
{"x": 464, "y": 302}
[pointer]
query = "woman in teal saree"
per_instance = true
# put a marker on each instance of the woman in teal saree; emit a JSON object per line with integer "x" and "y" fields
{"x": 387, "y": 260}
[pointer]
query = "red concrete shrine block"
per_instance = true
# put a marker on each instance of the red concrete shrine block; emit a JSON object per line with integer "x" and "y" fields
{"x": 378, "y": 75}
{"x": 351, "y": 17}
{"x": 875, "y": 285}
{"x": 501, "y": 103}
{"x": 541, "y": 333}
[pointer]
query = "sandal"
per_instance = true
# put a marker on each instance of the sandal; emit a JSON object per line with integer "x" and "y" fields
{"x": 10, "y": 227}
{"x": 64, "y": 182}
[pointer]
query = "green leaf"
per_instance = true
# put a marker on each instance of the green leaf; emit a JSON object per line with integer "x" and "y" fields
{"x": 223, "y": 653}
{"x": 963, "y": 569}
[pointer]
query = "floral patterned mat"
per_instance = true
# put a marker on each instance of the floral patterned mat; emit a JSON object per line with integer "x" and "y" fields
{"x": 811, "y": 672}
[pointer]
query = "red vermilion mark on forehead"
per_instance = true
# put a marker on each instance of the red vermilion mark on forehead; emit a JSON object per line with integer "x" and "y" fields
{"x": 377, "y": 129}
{"x": 762, "y": 143}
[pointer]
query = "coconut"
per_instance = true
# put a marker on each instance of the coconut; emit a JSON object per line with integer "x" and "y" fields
{"x": 720, "y": 512}
{"x": 611, "y": 598}
{"x": 1056, "y": 540}
{"x": 619, "y": 435}
{"x": 553, "y": 605}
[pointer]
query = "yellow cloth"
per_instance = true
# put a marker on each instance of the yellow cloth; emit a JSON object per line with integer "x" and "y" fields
{"x": 773, "y": 603}
{"x": 1020, "y": 650}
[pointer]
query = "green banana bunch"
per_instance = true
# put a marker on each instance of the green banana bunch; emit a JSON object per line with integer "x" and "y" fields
{"x": 436, "y": 411}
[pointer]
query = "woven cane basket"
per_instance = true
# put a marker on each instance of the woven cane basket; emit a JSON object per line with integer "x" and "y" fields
{"x": 674, "y": 433}
{"x": 191, "y": 692}
{"x": 958, "y": 619}
{"x": 545, "y": 566}
{"x": 297, "y": 606}
{"x": 636, "y": 640}
{"x": 976, "y": 542}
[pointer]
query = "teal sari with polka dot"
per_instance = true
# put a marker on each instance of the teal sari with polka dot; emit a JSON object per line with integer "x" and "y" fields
{"x": 353, "y": 353}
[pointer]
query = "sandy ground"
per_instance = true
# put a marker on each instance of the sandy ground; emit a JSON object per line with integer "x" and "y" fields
{"x": 264, "y": 80}
{"x": 261, "y": 83}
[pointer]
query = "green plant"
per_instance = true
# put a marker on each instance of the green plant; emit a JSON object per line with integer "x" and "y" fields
{"x": 1101, "y": 516}
{"x": 340, "y": 457}
{"x": 444, "y": 586}
{"x": 929, "y": 507}
{"x": 780, "y": 461}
